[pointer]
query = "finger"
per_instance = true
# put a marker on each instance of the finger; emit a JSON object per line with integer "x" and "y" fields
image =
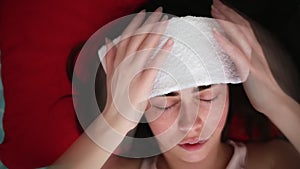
{"x": 151, "y": 42}
{"x": 241, "y": 61}
{"x": 235, "y": 32}
{"x": 219, "y": 10}
{"x": 155, "y": 34}
{"x": 124, "y": 39}
{"x": 231, "y": 15}
{"x": 155, "y": 16}
{"x": 149, "y": 75}
{"x": 142, "y": 32}
{"x": 134, "y": 24}
{"x": 110, "y": 55}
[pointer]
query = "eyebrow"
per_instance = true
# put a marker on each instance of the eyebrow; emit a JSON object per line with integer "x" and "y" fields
{"x": 200, "y": 88}
{"x": 196, "y": 89}
{"x": 171, "y": 94}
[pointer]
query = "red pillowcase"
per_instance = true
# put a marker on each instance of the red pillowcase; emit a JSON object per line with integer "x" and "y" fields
{"x": 36, "y": 38}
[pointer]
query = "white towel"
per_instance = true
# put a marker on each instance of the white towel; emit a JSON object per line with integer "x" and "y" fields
{"x": 196, "y": 58}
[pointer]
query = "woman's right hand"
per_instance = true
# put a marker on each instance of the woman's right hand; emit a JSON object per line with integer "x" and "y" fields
{"x": 128, "y": 88}
{"x": 130, "y": 76}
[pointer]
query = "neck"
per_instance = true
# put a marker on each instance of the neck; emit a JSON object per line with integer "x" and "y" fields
{"x": 217, "y": 159}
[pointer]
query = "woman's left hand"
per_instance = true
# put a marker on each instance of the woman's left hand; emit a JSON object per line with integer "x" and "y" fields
{"x": 263, "y": 91}
{"x": 247, "y": 54}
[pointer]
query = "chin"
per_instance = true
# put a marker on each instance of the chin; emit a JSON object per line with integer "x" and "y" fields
{"x": 192, "y": 156}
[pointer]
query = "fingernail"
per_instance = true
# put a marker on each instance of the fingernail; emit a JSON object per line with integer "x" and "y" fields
{"x": 170, "y": 42}
{"x": 215, "y": 31}
{"x": 165, "y": 17}
{"x": 216, "y": 2}
{"x": 142, "y": 11}
{"x": 215, "y": 10}
{"x": 213, "y": 7}
{"x": 107, "y": 41}
{"x": 159, "y": 9}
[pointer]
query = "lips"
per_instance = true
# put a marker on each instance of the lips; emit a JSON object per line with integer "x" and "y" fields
{"x": 192, "y": 144}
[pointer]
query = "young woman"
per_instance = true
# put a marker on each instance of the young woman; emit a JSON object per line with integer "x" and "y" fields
{"x": 184, "y": 112}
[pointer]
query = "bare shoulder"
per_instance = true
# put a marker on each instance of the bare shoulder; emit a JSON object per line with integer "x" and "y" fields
{"x": 272, "y": 154}
{"x": 116, "y": 162}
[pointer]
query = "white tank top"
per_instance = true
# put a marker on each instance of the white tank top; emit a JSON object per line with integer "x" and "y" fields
{"x": 237, "y": 161}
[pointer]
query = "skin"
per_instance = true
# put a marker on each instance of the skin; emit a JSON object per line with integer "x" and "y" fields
{"x": 262, "y": 90}
{"x": 175, "y": 115}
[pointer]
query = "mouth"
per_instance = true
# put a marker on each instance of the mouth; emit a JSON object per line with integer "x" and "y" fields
{"x": 192, "y": 145}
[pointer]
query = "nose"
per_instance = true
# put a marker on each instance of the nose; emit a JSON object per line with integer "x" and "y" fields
{"x": 189, "y": 119}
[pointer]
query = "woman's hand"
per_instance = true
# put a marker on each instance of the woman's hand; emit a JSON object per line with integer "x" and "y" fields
{"x": 128, "y": 87}
{"x": 264, "y": 93}
{"x": 130, "y": 76}
{"x": 247, "y": 54}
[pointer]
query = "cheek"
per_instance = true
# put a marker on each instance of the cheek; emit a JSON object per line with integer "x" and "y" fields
{"x": 215, "y": 115}
{"x": 162, "y": 121}
{"x": 224, "y": 113}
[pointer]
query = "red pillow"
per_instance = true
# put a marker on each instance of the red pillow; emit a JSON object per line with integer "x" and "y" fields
{"x": 36, "y": 38}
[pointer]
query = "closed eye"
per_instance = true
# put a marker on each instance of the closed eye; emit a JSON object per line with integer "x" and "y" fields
{"x": 207, "y": 96}
{"x": 164, "y": 108}
{"x": 208, "y": 99}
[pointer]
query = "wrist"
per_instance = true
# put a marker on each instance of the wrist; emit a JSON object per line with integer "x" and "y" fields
{"x": 104, "y": 134}
{"x": 117, "y": 121}
{"x": 280, "y": 105}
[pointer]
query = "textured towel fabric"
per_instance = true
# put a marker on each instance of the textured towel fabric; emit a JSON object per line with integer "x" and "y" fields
{"x": 196, "y": 57}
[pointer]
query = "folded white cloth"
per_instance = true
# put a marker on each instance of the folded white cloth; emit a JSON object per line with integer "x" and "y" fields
{"x": 196, "y": 58}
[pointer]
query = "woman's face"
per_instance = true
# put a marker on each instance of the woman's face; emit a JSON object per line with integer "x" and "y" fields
{"x": 190, "y": 121}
